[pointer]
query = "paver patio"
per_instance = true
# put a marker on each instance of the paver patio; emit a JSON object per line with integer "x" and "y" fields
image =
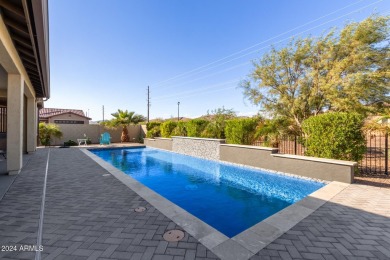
{"x": 90, "y": 215}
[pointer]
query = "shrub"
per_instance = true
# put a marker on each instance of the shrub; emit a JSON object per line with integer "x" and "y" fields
{"x": 180, "y": 129}
{"x": 70, "y": 143}
{"x": 153, "y": 129}
{"x": 167, "y": 128}
{"x": 195, "y": 127}
{"x": 151, "y": 125}
{"x": 241, "y": 131}
{"x": 154, "y": 132}
{"x": 214, "y": 129}
{"x": 335, "y": 135}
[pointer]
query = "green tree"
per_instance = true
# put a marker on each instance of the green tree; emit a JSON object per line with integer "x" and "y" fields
{"x": 47, "y": 131}
{"x": 124, "y": 118}
{"x": 345, "y": 72}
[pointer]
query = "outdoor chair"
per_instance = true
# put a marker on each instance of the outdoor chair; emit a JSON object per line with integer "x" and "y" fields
{"x": 105, "y": 138}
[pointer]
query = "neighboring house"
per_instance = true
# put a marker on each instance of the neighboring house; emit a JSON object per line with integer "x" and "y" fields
{"x": 63, "y": 116}
{"x": 24, "y": 75}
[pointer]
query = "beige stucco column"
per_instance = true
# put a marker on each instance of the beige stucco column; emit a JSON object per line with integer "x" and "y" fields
{"x": 15, "y": 94}
{"x": 31, "y": 125}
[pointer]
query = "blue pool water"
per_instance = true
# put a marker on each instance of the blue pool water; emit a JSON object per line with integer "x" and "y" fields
{"x": 227, "y": 197}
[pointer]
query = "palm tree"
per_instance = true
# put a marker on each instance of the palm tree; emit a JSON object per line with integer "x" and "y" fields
{"x": 47, "y": 131}
{"x": 124, "y": 118}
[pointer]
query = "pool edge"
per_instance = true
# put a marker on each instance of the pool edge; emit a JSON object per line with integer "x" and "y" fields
{"x": 245, "y": 244}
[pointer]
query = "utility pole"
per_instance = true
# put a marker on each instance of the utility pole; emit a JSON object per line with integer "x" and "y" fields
{"x": 148, "y": 102}
{"x": 103, "y": 113}
{"x": 178, "y": 111}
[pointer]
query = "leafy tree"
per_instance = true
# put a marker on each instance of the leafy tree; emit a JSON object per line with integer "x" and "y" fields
{"x": 335, "y": 135}
{"x": 346, "y": 72}
{"x": 124, "y": 118}
{"x": 47, "y": 131}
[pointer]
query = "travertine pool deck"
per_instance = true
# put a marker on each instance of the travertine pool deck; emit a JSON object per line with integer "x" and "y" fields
{"x": 89, "y": 214}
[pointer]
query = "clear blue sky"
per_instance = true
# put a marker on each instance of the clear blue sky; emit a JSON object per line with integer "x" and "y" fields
{"x": 108, "y": 52}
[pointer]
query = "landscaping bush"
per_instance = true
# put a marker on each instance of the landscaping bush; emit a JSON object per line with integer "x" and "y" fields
{"x": 241, "y": 131}
{"x": 151, "y": 125}
{"x": 180, "y": 129}
{"x": 335, "y": 135}
{"x": 195, "y": 127}
{"x": 70, "y": 143}
{"x": 153, "y": 129}
{"x": 167, "y": 128}
{"x": 214, "y": 129}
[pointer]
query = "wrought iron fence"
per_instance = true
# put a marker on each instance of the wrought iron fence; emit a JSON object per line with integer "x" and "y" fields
{"x": 376, "y": 158}
{"x": 374, "y": 162}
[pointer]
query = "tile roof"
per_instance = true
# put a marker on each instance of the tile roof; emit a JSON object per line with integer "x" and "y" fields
{"x": 49, "y": 112}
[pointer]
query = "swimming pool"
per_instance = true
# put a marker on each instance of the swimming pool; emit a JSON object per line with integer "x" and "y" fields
{"x": 229, "y": 198}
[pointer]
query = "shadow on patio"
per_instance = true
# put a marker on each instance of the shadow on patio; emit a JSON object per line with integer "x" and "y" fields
{"x": 90, "y": 215}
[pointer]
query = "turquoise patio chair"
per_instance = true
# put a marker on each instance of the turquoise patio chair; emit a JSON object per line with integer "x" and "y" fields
{"x": 105, "y": 138}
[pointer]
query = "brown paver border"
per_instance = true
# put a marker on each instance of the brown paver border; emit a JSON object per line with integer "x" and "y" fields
{"x": 247, "y": 243}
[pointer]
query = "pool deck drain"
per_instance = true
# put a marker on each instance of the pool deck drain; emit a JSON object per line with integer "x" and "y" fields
{"x": 247, "y": 243}
{"x": 140, "y": 209}
{"x": 174, "y": 235}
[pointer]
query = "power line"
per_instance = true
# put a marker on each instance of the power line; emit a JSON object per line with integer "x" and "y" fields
{"x": 204, "y": 77}
{"x": 196, "y": 93}
{"x": 197, "y": 90}
{"x": 204, "y": 67}
{"x": 200, "y": 91}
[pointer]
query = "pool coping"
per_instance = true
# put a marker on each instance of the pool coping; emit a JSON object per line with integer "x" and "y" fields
{"x": 245, "y": 244}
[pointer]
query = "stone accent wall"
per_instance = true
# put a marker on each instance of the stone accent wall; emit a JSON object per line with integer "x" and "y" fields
{"x": 199, "y": 147}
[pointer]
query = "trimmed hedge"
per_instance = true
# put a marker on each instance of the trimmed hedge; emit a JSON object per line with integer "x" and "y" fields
{"x": 180, "y": 129}
{"x": 241, "y": 131}
{"x": 195, "y": 127}
{"x": 335, "y": 136}
{"x": 167, "y": 128}
{"x": 153, "y": 129}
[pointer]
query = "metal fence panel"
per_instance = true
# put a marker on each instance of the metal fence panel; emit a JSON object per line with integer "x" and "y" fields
{"x": 375, "y": 161}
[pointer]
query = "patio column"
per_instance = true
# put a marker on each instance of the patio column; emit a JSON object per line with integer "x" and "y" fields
{"x": 31, "y": 125}
{"x": 14, "y": 123}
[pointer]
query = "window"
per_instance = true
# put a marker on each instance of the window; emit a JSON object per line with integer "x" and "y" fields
{"x": 77, "y": 122}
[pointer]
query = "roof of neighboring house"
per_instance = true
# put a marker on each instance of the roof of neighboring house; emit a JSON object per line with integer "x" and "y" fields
{"x": 49, "y": 112}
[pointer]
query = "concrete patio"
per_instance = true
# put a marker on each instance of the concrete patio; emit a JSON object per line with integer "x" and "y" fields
{"x": 90, "y": 215}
